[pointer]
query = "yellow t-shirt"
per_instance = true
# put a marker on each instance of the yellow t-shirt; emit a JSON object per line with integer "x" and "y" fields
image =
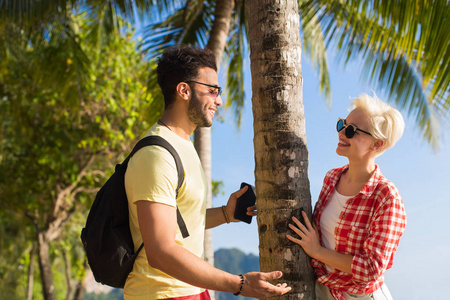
{"x": 152, "y": 176}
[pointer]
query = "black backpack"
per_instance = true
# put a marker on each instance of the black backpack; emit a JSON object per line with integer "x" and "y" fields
{"x": 106, "y": 237}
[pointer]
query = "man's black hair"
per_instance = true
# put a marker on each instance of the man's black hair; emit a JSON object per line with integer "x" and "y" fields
{"x": 180, "y": 63}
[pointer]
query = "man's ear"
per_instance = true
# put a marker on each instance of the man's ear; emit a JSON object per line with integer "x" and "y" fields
{"x": 184, "y": 90}
{"x": 378, "y": 144}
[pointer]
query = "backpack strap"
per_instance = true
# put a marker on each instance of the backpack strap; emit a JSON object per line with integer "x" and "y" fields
{"x": 159, "y": 141}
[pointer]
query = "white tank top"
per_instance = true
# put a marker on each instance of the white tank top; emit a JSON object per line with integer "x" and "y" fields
{"x": 329, "y": 219}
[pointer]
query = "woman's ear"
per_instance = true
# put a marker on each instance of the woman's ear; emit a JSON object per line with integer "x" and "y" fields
{"x": 183, "y": 90}
{"x": 378, "y": 144}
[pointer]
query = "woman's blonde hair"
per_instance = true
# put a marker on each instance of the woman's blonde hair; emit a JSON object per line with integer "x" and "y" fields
{"x": 386, "y": 122}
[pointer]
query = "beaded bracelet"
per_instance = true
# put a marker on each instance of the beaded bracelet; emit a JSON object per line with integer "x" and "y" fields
{"x": 242, "y": 285}
{"x": 225, "y": 214}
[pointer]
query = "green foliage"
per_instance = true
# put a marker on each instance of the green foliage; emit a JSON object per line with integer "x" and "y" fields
{"x": 191, "y": 23}
{"x": 403, "y": 45}
{"x": 217, "y": 188}
{"x": 73, "y": 93}
{"x": 236, "y": 51}
{"x": 59, "y": 140}
{"x": 13, "y": 241}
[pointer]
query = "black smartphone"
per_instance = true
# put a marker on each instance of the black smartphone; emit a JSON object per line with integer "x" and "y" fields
{"x": 246, "y": 200}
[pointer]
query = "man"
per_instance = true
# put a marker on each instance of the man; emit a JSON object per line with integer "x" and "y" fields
{"x": 172, "y": 267}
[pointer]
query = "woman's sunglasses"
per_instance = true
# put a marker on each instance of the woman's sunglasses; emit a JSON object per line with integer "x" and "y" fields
{"x": 350, "y": 130}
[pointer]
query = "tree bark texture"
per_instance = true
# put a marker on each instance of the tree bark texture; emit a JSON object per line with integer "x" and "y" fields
{"x": 281, "y": 155}
{"x": 48, "y": 288}
{"x": 202, "y": 143}
{"x": 221, "y": 27}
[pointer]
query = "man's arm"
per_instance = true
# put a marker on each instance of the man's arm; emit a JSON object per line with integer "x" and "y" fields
{"x": 158, "y": 225}
{"x": 216, "y": 216}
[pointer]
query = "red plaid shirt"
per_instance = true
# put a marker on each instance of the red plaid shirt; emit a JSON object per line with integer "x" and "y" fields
{"x": 369, "y": 228}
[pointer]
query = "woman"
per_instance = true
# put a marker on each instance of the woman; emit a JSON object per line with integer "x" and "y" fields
{"x": 359, "y": 217}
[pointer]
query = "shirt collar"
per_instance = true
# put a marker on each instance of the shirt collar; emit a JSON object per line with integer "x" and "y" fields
{"x": 370, "y": 185}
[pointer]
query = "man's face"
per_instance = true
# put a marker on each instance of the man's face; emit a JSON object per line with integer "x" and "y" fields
{"x": 205, "y": 98}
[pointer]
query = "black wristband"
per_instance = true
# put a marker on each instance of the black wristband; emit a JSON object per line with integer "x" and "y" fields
{"x": 242, "y": 285}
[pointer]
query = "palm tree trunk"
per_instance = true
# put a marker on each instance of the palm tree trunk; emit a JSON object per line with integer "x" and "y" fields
{"x": 281, "y": 155}
{"x": 202, "y": 136}
{"x": 48, "y": 288}
{"x": 202, "y": 143}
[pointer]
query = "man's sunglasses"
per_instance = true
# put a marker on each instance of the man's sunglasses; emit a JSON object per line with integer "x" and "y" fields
{"x": 350, "y": 129}
{"x": 219, "y": 89}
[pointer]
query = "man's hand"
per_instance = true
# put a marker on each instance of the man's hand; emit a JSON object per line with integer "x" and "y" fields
{"x": 256, "y": 285}
{"x": 231, "y": 205}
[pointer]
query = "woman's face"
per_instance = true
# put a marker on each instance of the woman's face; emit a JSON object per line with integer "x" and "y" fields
{"x": 361, "y": 145}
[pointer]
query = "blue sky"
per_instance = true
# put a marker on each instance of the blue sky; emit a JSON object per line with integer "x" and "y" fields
{"x": 421, "y": 175}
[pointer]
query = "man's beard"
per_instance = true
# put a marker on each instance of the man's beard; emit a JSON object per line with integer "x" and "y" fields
{"x": 196, "y": 114}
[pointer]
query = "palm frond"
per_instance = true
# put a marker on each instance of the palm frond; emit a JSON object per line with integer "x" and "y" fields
{"x": 29, "y": 14}
{"x": 102, "y": 22}
{"x": 314, "y": 46}
{"x": 63, "y": 61}
{"x": 404, "y": 87}
{"x": 235, "y": 74}
{"x": 235, "y": 53}
{"x": 409, "y": 52}
{"x": 186, "y": 25}
{"x": 191, "y": 25}
{"x": 182, "y": 26}
{"x": 138, "y": 11}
